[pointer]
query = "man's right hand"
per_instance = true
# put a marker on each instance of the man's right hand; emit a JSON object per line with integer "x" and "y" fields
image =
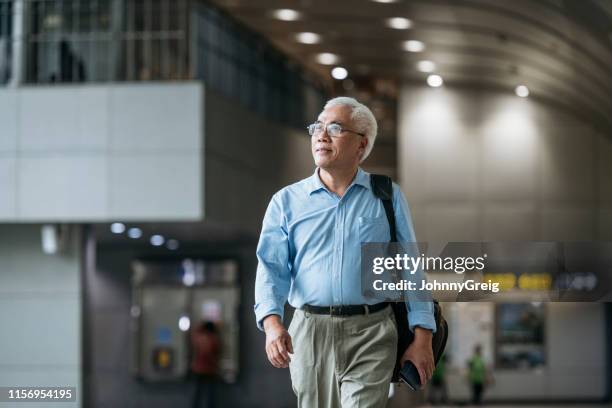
{"x": 278, "y": 342}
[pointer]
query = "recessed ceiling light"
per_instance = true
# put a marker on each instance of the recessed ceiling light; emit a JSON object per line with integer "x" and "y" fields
{"x": 287, "y": 14}
{"x": 426, "y": 66}
{"x": 385, "y": 1}
{"x": 339, "y": 73}
{"x": 327, "y": 58}
{"x": 308, "y": 38}
{"x": 434, "y": 80}
{"x": 189, "y": 277}
{"x": 157, "y": 240}
{"x": 399, "y": 23}
{"x": 134, "y": 233}
{"x": 414, "y": 46}
{"x": 50, "y": 239}
{"x": 522, "y": 91}
{"x": 184, "y": 323}
{"x": 117, "y": 228}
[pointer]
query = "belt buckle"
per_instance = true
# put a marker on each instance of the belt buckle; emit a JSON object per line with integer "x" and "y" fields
{"x": 335, "y": 310}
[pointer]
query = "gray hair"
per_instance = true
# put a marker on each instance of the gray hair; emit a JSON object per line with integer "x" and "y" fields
{"x": 362, "y": 118}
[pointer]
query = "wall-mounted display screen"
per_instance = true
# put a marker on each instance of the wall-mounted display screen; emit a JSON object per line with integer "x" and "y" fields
{"x": 520, "y": 331}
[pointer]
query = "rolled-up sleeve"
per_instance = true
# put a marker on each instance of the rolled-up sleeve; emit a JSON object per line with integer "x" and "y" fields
{"x": 273, "y": 278}
{"x": 420, "y": 313}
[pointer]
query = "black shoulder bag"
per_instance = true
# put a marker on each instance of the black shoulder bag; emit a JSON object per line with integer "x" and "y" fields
{"x": 383, "y": 189}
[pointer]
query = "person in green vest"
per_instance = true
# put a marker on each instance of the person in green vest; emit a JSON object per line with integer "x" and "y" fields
{"x": 477, "y": 374}
{"x": 437, "y": 390}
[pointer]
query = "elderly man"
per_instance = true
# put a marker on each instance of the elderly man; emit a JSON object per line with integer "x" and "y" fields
{"x": 309, "y": 253}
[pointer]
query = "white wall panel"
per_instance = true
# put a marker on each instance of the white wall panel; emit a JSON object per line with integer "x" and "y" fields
{"x": 8, "y": 202}
{"x": 40, "y": 311}
{"x": 149, "y": 116}
{"x": 62, "y": 187}
{"x": 155, "y": 186}
{"x": 62, "y": 118}
{"x": 63, "y": 149}
{"x": 8, "y": 120}
{"x": 26, "y": 318}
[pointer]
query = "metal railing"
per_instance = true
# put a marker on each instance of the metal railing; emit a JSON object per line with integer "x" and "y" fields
{"x": 106, "y": 40}
{"x": 67, "y": 41}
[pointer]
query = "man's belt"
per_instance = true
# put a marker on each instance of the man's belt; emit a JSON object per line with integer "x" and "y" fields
{"x": 345, "y": 310}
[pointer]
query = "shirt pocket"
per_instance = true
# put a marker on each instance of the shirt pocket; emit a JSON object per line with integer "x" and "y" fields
{"x": 374, "y": 229}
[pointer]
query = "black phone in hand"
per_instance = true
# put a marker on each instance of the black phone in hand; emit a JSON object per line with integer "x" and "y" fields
{"x": 410, "y": 375}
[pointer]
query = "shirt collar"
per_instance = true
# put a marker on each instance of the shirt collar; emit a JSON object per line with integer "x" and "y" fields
{"x": 362, "y": 178}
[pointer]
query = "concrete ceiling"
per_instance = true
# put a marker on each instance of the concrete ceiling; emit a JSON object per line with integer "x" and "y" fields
{"x": 562, "y": 50}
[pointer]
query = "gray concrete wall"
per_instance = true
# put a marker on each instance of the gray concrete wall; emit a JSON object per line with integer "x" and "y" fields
{"x": 101, "y": 152}
{"x": 248, "y": 159}
{"x": 485, "y": 166}
{"x": 40, "y": 312}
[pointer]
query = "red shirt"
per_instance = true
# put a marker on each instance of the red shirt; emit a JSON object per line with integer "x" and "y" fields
{"x": 206, "y": 351}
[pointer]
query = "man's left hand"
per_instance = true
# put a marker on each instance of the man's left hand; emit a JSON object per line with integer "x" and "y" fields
{"x": 421, "y": 354}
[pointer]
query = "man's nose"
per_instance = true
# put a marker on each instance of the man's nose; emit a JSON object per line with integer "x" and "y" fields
{"x": 324, "y": 135}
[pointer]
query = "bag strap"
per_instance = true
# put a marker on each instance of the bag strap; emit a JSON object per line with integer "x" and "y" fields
{"x": 382, "y": 186}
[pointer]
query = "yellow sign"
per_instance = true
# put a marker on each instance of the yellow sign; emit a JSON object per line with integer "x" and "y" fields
{"x": 525, "y": 281}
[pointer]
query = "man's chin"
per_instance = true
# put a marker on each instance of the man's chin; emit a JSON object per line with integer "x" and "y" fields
{"x": 321, "y": 162}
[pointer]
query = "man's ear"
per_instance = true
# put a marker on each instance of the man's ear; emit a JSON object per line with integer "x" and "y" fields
{"x": 363, "y": 144}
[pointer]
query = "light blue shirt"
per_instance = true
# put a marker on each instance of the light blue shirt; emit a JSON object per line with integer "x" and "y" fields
{"x": 309, "y": 249}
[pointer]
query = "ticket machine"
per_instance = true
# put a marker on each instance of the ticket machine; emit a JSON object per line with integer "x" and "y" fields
{"x": 170, "y": 298}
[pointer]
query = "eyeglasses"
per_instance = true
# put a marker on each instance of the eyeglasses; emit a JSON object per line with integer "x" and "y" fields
{"x": 333, "y": 129}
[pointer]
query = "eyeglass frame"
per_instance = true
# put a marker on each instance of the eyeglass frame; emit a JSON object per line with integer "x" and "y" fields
{"x": 342, "y": 129}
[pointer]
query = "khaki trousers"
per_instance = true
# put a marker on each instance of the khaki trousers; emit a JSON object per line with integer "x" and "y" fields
{"x": 342, "y": 361}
